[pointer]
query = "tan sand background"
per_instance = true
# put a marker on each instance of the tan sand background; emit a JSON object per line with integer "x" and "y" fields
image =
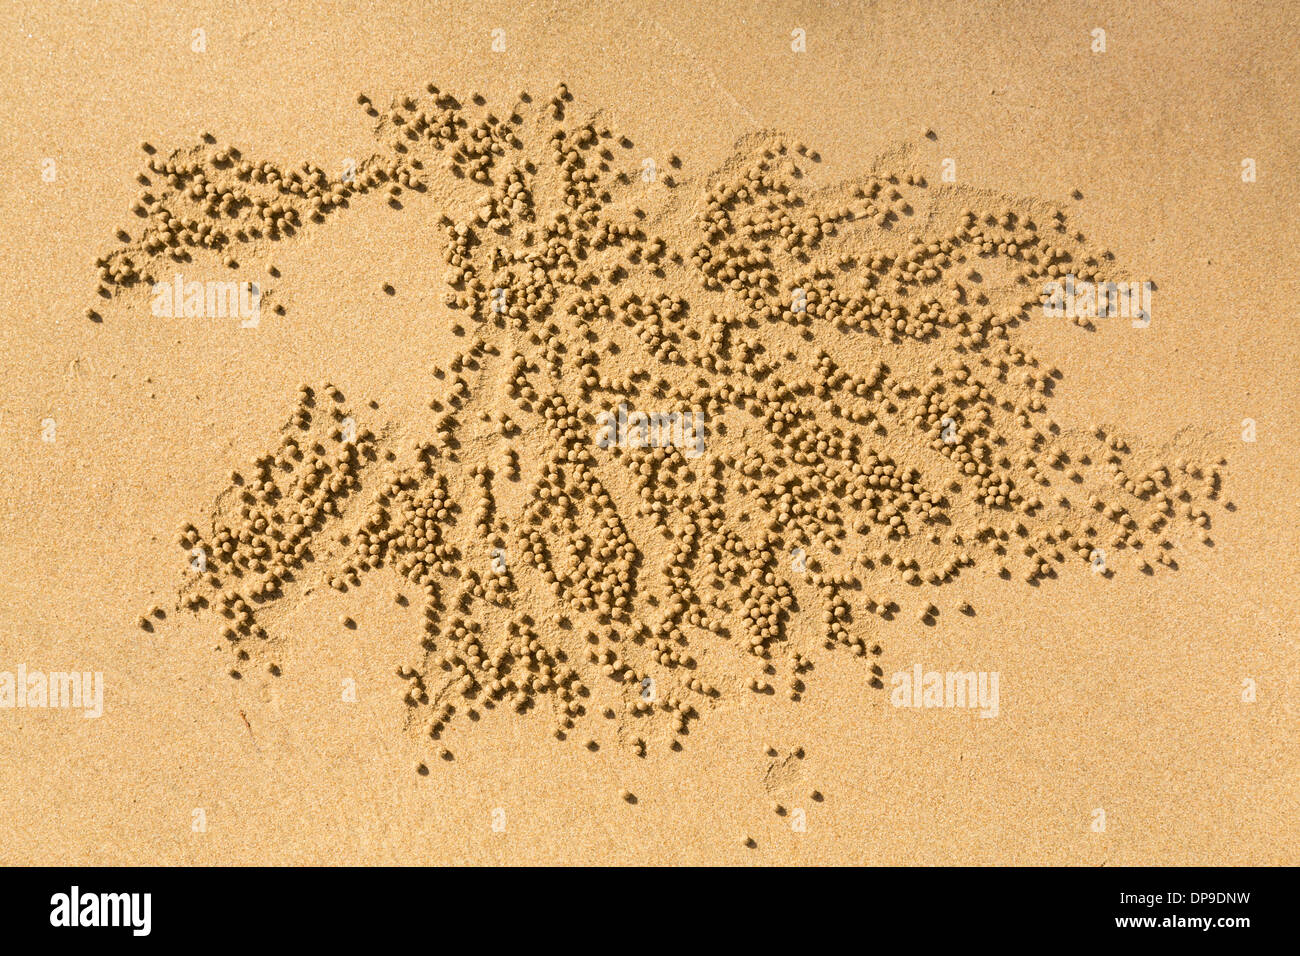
{"x": 1124, "y": 694}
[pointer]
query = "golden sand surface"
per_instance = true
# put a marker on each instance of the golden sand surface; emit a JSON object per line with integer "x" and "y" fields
{"x": 650, "y": 434}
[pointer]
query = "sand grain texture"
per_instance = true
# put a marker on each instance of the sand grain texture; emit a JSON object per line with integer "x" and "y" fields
{"x": 436, "y": 618}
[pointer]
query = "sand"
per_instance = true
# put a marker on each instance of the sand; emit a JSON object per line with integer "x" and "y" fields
{"x": 665, "y": 439}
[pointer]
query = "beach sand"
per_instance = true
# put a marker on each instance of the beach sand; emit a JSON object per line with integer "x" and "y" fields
{"x": 377, "y": 572}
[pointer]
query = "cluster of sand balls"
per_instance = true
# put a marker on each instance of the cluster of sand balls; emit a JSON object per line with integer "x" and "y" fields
{"x": 874, "y": 431}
